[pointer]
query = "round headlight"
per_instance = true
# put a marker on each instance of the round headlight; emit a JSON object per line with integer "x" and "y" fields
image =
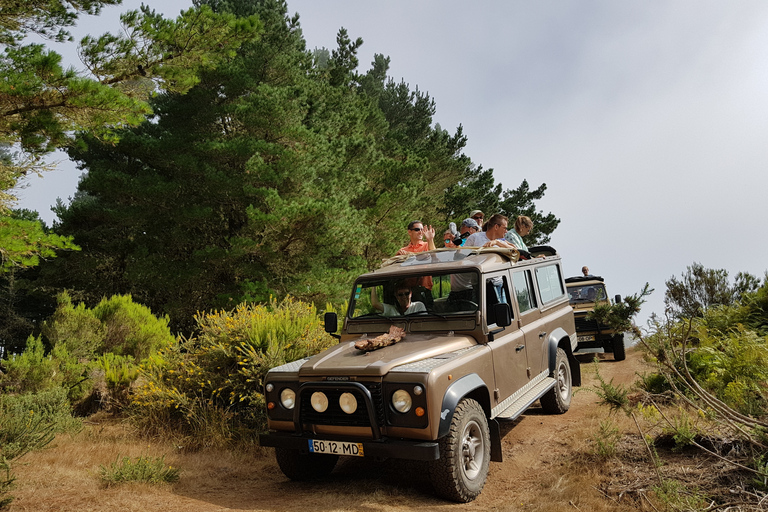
{"x": 288, "y": 398}
{"x": 418, "y": 390}
{"x": 348, "y": 403}
{"x": 401, "y": 401}
{"x": 319, "y": 401}
{"x": 270, "y": 387}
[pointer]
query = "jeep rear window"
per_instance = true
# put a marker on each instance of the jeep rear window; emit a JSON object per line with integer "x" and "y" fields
{"x": 435, "y": 294}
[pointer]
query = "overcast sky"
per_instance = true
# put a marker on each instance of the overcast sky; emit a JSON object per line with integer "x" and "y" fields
{"x": 648, "y": 121}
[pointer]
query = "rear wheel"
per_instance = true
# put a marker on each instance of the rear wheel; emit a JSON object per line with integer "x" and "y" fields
{"x": 304, "y": 466}
{"x": 465, "y": 455}
{"x": 619, "y": 353}
{"x": 558, "y": 399}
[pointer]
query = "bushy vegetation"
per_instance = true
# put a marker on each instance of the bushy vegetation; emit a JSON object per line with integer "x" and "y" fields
{"x": 207, "y": 390}
{"x": 29, "y": 422}
{"x": 710, "y": 390}
{"x": 151, "y": 470}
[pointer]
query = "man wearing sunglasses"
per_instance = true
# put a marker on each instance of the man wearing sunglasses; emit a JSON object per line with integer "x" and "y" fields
{"x": 416, "y": 231}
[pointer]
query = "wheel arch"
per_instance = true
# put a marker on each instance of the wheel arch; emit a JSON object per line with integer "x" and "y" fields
{"x": 560, "y": 339}
{"x": 469, "y": 386}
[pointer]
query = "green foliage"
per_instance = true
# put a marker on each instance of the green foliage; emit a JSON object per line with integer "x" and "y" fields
{"x": 24, "y": 242}
{"x": 678, "y": 496}
{"x": 700, "y": 288}
{"x": 274, "y": 175}
{"x": 34, "y": 370}
{"x": 619, "y": 316}
{"x": 732, "y": 365}
{"x": 606, "y": 439}
{"x": 151, "y": 470}
{"x": 29, "y": 422}
{"x": 119, "y": 374}
{"x": 42, "y": 104}
{"x": 117, "y": 325}
{"x": 615, "y": 397}
{"x": 207, "y": 390}
{"x": 131, "y": 328}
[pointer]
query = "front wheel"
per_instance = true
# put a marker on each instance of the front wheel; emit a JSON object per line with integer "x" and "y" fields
{"x": 558, "y": 399}
{"x": 465, "y": 455}
{"x": 304, "y": 466}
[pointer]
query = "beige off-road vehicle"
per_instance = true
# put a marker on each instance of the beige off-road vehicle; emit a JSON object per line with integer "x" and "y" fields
{"x": 476, "y": 339}
{"x": 584, "y": 292}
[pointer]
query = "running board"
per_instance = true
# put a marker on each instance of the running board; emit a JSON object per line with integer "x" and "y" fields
{"x": 525, "y": 400}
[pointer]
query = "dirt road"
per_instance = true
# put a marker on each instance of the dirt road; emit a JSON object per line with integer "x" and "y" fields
{"x": 541, "y": 471}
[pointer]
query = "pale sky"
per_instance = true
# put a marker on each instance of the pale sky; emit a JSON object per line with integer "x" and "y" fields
{"x": 646, "y": 120}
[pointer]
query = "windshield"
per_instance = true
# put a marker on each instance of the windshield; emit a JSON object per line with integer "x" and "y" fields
{"x": 443, "y": 295}
{"x": 586, "y": 293}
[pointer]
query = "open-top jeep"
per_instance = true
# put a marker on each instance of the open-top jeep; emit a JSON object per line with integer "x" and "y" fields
{"x": 584, "y": 292}
{"x": 436, "y": 348}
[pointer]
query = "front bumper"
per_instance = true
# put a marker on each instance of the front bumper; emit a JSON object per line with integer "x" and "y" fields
{"x": 383, "y": 448}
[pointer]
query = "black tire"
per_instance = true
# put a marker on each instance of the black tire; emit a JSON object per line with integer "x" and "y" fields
{"x": 558, "y": 399}
{"x": 619, "y": 352}
{"x": 465, "y": 455}
{"x": 304, "y": 466}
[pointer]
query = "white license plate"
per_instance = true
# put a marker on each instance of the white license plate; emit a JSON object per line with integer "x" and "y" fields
{"x": 336, "y": 447}
{"x": 586, "y": 338}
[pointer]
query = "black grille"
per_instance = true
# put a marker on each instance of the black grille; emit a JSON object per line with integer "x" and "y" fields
{"x": 334, "y": 415}
{"x": 582, "y": 325}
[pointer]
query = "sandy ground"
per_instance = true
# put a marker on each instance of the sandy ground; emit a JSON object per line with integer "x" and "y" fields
{"x": 541, "y": 471}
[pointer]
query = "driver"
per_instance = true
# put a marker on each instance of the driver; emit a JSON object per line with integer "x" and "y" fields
{"x": 403, "y": 306}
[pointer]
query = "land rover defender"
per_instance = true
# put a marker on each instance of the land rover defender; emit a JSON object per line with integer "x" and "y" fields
{"x": 584, "y": 292}
{"x": 490, "y": 336}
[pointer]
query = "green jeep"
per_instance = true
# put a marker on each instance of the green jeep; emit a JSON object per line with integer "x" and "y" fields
{"x": 584, "y": 293}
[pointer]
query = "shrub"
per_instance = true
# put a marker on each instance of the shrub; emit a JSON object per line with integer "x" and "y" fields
{"x": 74, "y": 326}
{"x": 208, "y": 389}
{"x": 144, "y": 469}
{"x": 33, "y": 371}
{"x": 131, "y": 328}
{"x": 116, "y": 324}
{"x": 29, "y": 422}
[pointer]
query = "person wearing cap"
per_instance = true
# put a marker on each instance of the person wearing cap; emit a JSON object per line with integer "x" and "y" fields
{"x": 468, "y": 228}
{"x": 478, "y": 216}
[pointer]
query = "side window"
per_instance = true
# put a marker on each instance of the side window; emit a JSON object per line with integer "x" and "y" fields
{"x": 496, "y": 292}
{"x": 550, "y": 283}
{"x": 523, "y": 291}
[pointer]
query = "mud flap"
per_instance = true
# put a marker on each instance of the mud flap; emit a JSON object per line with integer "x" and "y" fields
{"x": 495, "y": 432}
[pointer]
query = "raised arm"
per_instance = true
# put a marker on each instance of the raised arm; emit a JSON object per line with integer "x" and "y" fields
{"x": 375, "y": 300}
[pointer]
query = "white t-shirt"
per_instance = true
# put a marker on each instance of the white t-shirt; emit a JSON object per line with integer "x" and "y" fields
{"x": 415, "y": 307}
{"x": 477, "y": 239}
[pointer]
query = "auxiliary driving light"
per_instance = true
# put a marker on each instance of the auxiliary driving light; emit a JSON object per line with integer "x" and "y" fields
{"x": 348, "y": 403}
{"x": 319, "y": 401}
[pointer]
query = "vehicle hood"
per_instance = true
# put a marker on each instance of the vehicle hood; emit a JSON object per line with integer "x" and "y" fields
{"x": 345, "y": 359}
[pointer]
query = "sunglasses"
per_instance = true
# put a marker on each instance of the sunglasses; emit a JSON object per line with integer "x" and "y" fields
{"x": 478, "y": 217}
{"x": 448, "y": 240}
{"x": 402, "y": 294}
{"x": 415, "y": 229}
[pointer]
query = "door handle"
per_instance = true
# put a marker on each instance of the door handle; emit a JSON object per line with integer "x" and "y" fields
{"x": 519, "y": 348}
{"x": 542, "y": 334}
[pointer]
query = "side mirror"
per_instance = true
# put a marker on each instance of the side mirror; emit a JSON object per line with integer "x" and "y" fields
{"x": 503, "y": 314}
{"x": 331, "y": 323}
{"x": 617, "y": 299}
